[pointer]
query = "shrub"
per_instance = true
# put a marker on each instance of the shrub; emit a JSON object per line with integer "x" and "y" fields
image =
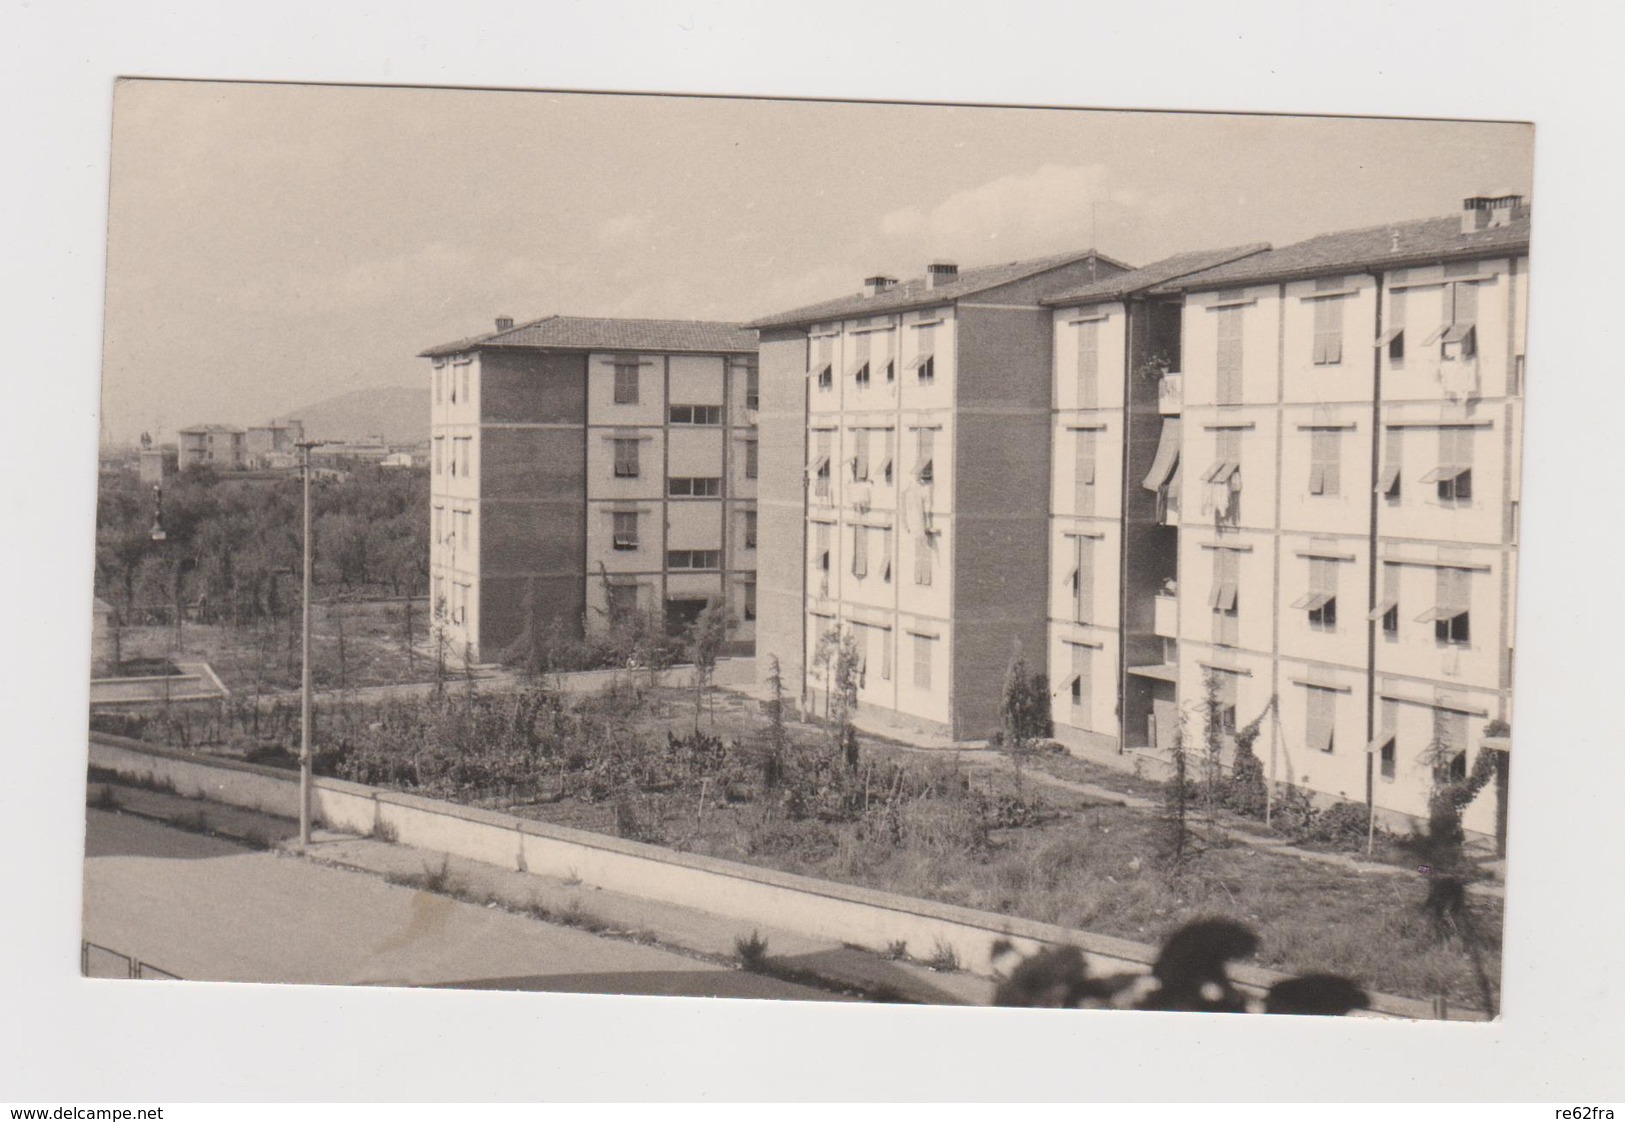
{"x": 1344, "y": 825}
{"x": 752, "y": 951}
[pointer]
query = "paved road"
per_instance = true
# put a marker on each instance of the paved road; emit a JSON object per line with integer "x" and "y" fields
{"x": 209, "y": 910}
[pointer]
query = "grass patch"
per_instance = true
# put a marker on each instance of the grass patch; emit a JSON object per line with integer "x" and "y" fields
{"x": 384, "y": 831}
{"x": 944, "y": 959}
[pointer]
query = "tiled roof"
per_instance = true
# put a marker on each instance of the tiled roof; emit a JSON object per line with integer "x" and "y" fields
{"x": 917, "y": 293}
{"x": 1391, "y": 246}
{"x": 587, "y": 333}
{"x": 1158, "y": 272}
{"x": 192, "y": 430}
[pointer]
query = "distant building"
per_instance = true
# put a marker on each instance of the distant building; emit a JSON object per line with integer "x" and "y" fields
{"x": 397, "y": 460}
{"x": 157, "y": 463}
{"x": 585, "y": 468}
{"x": 274, "y": 444}
{"x": 351, "y": 453}
{"x": 218, "y": 446}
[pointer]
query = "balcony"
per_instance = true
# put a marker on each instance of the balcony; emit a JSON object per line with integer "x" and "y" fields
{"x": 1165, "y": 616}
{"x": 1171, "y": 394}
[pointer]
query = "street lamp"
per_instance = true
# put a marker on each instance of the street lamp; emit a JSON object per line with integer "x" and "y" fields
{"x": 304, "y": 660}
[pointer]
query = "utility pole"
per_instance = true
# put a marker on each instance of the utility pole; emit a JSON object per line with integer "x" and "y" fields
{"x": 304, "y": 663}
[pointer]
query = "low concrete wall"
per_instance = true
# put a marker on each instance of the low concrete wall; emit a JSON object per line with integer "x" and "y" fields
{"x": 814, "y": 908}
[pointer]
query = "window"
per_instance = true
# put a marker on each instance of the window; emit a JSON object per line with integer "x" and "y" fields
{"x": 623, "y": 602}
{"x": 1394, "y": 337}
{"x": 439, "y": 527}
{"x": 695, "y": 414}
{"x": 891, "y": 371}
{"x": 1224, "y": 478}
{"x": 1387, "y": 609}
{"x": 821, "y": 548}
{"x": 463, "y": 527}
{"x": 693, "y": 559}
{"x": 1320, "y": 713}
{"x": 750, "y": 529}
{"x": 439, "y": 378}
{"x": 1227, "y": 695}
{"x": 1088, "y": 365}
{"x": 1387, "y": 740}
{"x": 1084, "y": 495}
{"x": 1450, "y": 613}
{"x": 1321, "y": 599}
{"x": 824, "y": 377}
{"x": 750, "y": 600}
{"x": 626, "y": 457}
{"x": 439, "y": 455}
{"x": 925, "y": 363}
{"x": 924, "y": 461}
{"x": 820, "y": 465}
{"x": 885, "y": 654}
{"x": 466, "y": 396}
{"x": 1229, "y": 357}
{"x": 699, "y": 488}
{"x": 924, "y": 547}
{"x": 886, "y": 462}
{"x": 753, "y": 388}
{"x": 1454, "y": 475}
{"x": 1460, "y": 339}
{"x": 885, "y": 554}
{"x": 751, "y": 464}
{"x": 922, "y": 662}
{"x": 1517, "y": 375}
{"x": 439, "y": 598}
{"x": 625, "y": 535}
{"x": 1225, "y": 595}
{"x": 860, "y": 455}
{"x": 626, "y": 383}
{"x": 464, "y": 445}
{"x": 1083, "y": 579}
{"x": 860, "y": 364}
{"x": 860, "y": 551}
{"x": 1325, "y": 461}
{"x": 1081, "y": 683}
{"x": 1393, "y": 459}
{"x": 1448, "y": 752}
{"x": 1328, "y": 349}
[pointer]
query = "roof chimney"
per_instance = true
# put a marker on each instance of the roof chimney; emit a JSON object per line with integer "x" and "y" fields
{"x": 939, "y": 273}
{"x": 1485, "y": 212}
{"x": 873, "y": 286}
{"x": 504, "y": 323}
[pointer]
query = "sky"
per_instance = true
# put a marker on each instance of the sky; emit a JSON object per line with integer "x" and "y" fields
{"x": 273, "y": 245}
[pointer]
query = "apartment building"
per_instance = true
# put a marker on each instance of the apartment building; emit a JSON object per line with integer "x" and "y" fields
{"x": 907, "y": 501}
{"x": 584, "y": 468}
{"x": 1317, "y": 506}
{"x": 213, "y": 445}
{"x": 274, "y": 444}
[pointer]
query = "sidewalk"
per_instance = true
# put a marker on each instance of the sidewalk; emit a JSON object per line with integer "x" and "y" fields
{"x": 788, "y": 956}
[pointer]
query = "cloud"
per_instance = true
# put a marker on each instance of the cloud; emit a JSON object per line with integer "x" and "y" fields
{"x": 1051, "y": 209}
{"x": 633, "y": 228}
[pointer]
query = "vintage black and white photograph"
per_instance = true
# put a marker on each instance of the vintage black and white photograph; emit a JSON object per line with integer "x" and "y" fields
{"x": 856, "y": 552}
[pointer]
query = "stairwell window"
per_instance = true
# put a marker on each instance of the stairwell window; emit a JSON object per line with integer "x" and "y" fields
{"x": 1084, "y": 494}
{"x": 1080, "y": 685}
{"x": 1082, "y": 579}
{"x": 750, "y": 529}
{"x": 752, "y": 465}
{"x": 694, "y": 559}
{"x": 695, "y": 414}
{"x": 684, "y": 487}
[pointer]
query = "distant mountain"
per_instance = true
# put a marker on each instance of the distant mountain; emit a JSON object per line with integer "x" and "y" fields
{"x": 400, "y": 414}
